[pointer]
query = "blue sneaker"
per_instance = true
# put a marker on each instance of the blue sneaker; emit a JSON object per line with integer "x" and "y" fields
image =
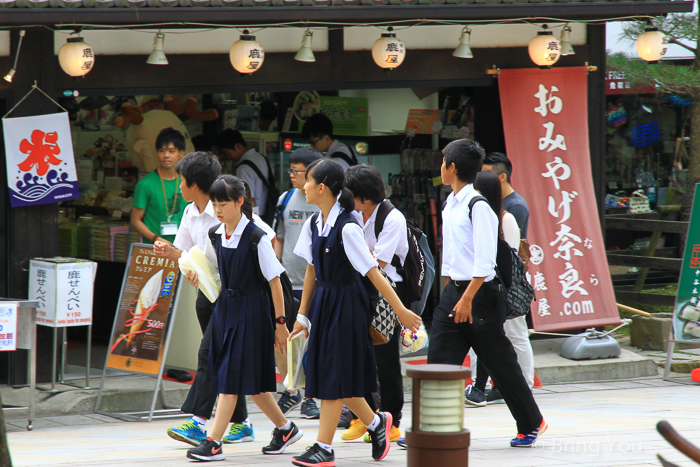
{"x": 401, "y": 442}
{"x": 239, "y": 433}
{"x": 527, "y": 440}
{"x": 309, "y": 409}
{"x": 189, "y": 432}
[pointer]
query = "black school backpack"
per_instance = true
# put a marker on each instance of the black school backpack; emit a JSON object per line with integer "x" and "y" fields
{"x": 273, "y": 193}
{"x": 291, "y": 303}
{"x": 418, "y": 270}
{"x": 520, "y": 293}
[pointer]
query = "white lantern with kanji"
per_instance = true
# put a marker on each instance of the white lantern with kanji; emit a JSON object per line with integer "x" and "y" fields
{"x": 247, "y": 55}
{"x": 76, "y": 57}
{"x": 388, "y": 52}
{"x": 652, "y": 44}
{"x": 544, "y": 48}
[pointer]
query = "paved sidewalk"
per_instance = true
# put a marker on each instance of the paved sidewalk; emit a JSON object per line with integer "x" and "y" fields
{"x": 591, "y": 424}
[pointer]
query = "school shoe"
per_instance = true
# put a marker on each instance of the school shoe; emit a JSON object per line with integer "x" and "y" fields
{"x": 494, "y": 397}
{"x": 394, "y": 435}
{"x": 345, "y": 418}
{"x": 239, "y": 433}
{"x": 401, "y": 442}
{"x": 189, "y": 432}
{"x": 209, "y": 450}
{"x": 281, "y": 439}
{"x": 528, "y": 439}
{"x": 288, "y": 401}
{"x": 356, "y": 430}
{"x": 474, "y": 396}
{"x": 315, "y": 456}
{"x": 381, "y": 445}
{"x": 309, "y": 409}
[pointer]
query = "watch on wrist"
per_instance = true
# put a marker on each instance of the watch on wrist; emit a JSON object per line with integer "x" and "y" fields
{"x": 281, "y": 320}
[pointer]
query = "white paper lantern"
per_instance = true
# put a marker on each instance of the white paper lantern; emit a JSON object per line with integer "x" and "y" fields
{"x": 652, "y": 45}
{"x": 544, "y": 48}
{"x": 388, "y": 52}
{"x": 76, "y": 57}
{"x": 247, "y": 55}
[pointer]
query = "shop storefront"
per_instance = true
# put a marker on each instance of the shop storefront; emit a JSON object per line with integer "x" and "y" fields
{"x": 456, "y": 93}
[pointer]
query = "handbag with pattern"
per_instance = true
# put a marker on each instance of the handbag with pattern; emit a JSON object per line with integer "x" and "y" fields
{"x": 383, "y": 322}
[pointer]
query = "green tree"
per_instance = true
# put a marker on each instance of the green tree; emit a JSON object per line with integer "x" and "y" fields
{"x": 681, "y": 29}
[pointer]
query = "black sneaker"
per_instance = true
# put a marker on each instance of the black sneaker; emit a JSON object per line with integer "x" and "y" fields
{"x": 494, "y": 397}
{"x": 309, "y": 409}
{"x": 288, "y": 401}
{"x": 474, "y": 396}
{"x": 281, "y": 439}
{"x": 209, "y": 450}
{"x": 315, "y": 455}
{"x": 378, "y": 436}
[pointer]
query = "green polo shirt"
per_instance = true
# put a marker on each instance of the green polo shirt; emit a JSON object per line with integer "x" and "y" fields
{"x": 148, "y": 195}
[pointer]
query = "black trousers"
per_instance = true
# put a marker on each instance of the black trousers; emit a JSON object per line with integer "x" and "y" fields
{"x": 200, "y": 399}
{"x": 389, "y": 371}
{"x": 450, "y": 342}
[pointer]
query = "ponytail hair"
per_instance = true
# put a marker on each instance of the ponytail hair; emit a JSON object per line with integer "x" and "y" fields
{"x": 330, "y": 173}
{"x": 230, "y": 188}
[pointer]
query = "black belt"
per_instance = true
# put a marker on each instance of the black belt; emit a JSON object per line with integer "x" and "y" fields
{"x": 463, "y": 284}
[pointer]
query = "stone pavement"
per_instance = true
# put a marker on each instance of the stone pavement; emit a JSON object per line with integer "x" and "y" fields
{"x": 590, "y": 424}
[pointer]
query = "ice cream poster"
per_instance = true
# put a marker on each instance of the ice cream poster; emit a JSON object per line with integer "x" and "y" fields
{"x": 40, "y": 160}
{"x": 686, "y": 313}
{"x": 140, "y": 326}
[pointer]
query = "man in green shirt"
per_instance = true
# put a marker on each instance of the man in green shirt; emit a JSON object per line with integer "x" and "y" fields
{"x": 158, "y": 204}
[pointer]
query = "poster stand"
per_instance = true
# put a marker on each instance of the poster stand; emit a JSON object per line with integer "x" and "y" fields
{"x": 169, "y": 411}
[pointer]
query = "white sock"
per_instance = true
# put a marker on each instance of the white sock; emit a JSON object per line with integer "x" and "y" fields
{"x": 375, "y": 423}
{"x": 327, "y": 447}
{"x": 218, "y": 443}
{"x": 200, "y": 421}
{"x": 287, "y": 426}
{"x": 246, "y": 422}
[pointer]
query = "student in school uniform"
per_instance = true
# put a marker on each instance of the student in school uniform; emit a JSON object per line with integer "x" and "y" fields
{"x": 472, "y": 308}
{"x": 241, "y": 357}
{"x": 198, "y": 171}
{"x": 340, "y": 365}
{"x": 367, "y": 186}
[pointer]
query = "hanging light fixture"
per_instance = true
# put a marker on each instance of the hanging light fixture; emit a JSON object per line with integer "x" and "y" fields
{"x": 463, "y": 50}
{"x": 652, "y": 44}
{"x": 305, "y": 53}
{"x": 544, "y": 48}
{"x": 247, "y": 55}
{"x": 76, "y": 57}
{"x": 566, "y": 47}
{"x": 158, "y": 57}
{"x": 11, "y": 74}
{"x": 388, "y": 52}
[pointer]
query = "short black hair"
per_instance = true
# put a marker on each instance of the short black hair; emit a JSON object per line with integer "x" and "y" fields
{"x": 201, "y": 143}
{"x": 500, "y": 162}
{"x": 230, "y": 188}
{"x": 366, "y": 183}
{"x": 304, "y": 156}
{"x": 268, "y": 110}
{"x": 467, "y": 156}
{"x": 228, "y": 139}
{"x": 170, "y": 135}
{"x": 317, "y": 126}
{"x": 199, "y": 167}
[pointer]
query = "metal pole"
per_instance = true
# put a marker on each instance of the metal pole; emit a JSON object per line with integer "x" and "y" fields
{"x": 53, "y": 359}
{"x": 89, "y": 353}
{"x": 32, "y": 370}
{"x": 64, "y": 351}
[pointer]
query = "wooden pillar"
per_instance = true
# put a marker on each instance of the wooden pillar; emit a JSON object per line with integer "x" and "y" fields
{"x": 596, "y": 114}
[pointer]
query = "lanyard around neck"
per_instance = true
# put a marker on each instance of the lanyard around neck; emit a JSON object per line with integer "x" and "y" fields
{"x": 169, "y": 212}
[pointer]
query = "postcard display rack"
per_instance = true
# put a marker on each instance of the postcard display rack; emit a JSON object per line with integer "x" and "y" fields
{"x": 63, "y": 289}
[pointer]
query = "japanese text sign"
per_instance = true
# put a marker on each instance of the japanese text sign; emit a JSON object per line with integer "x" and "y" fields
{"x": 686, "y": 313}
{"x": 8, "y": 326}
{"x": 40, "y": 160}
{"x": 545, "y": 121}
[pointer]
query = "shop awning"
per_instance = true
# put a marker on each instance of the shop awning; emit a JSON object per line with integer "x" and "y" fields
{"x": 115, "y": 12}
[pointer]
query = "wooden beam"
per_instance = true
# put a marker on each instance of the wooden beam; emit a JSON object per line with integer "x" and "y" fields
{"x": 628, "y": 296}
{"x": 595, "y": 35}
{"x": 645, "y": 225}
{"x": 669, "y": 264}
{"x": 356, "y": 14}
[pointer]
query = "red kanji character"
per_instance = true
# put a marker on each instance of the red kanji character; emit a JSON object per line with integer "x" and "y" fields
{"x": 695, "y": 257}
{"x": 42, "y": 151}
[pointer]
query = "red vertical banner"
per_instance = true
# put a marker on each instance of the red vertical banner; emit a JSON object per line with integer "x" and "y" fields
{"x": 545, "y": 120}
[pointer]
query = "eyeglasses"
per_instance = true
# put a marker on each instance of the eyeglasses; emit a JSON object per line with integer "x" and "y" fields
{"x": 313, "y": 143}
{"x": 294, "y": 173}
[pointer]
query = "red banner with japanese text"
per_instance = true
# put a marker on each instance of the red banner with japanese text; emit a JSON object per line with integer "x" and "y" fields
{"x": 545, "y": 120}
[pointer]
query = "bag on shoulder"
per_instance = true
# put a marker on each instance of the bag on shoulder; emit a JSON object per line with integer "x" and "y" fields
{"x": 279, "y": 209}
{"x": 291, "y": 303}
{"x": 273, "y": 193}
{"x": 418, "y": 269}
{"x": 519, "y": 293}
{"x": 350, "y": 160}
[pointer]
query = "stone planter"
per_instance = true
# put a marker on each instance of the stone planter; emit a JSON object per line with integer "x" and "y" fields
{"x": 651, "y": 333}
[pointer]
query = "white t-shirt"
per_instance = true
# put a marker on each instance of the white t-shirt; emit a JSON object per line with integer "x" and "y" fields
{"x": 354, "y": 243}
{"x": 511, "y": 231}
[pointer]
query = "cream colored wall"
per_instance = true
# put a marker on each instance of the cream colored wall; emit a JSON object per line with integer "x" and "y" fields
{"x": 4, "y": 43}
{"x": 388, "y": 108}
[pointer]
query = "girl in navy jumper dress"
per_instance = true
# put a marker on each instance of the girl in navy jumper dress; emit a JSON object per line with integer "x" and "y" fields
{"x": 340, "y": 365}
{"x": 241, "y": 356}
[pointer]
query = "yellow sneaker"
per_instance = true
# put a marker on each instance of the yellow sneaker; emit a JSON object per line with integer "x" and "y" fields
{"x": 356, "y": 430}
{"x": 394, "y": 435}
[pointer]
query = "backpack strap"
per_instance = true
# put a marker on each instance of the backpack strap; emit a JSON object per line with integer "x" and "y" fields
{"x": 212, "y": 235}
{"x": 473, "y": 201}
{"x": 385, "y": 207}
{"x": 279, "y": 212}
{"x": 257, "y": 171}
